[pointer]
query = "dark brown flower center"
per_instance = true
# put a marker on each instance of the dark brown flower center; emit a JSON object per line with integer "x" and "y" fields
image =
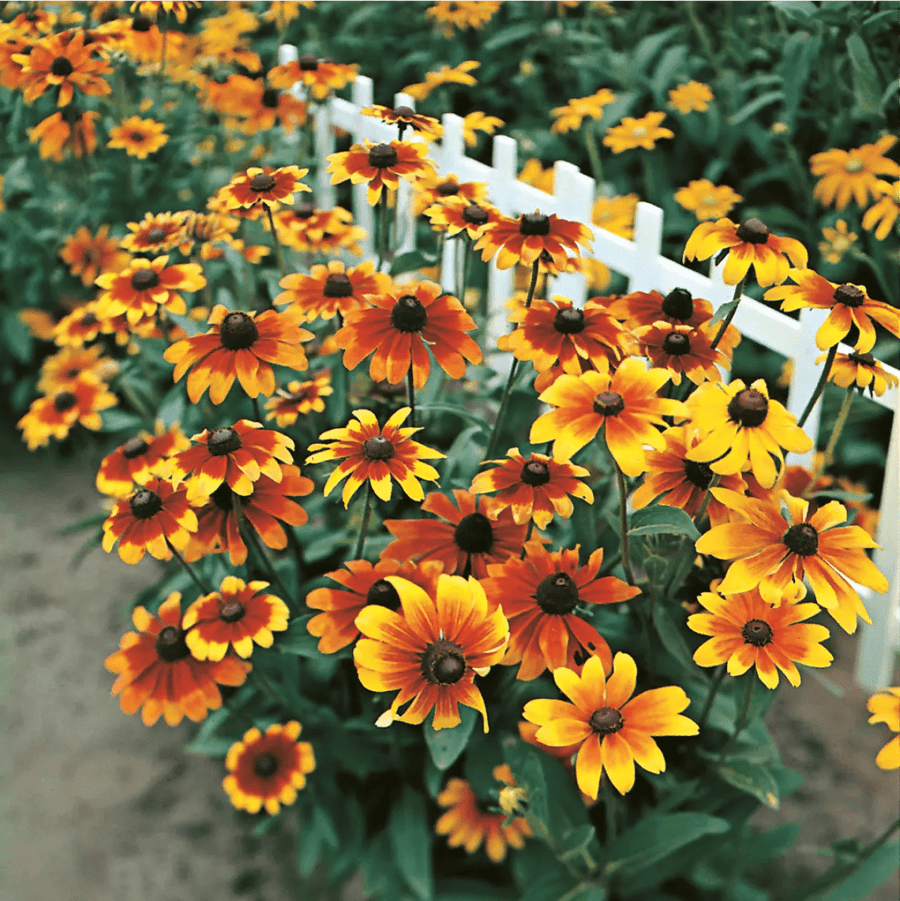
{"x": 337, "y": 285}
{"x": 223, "y": 441}
{"x": 378, "y": 448}
{"x": 232, "y": 611}
{"x": 144, "y": 279}
{"x": 409, "y": 315}
{"x": 534, "y": 224}
{"x": 535, "y": 472}
{"x": 757, "y": 632}
{"x": 134, "y": 447}
{"x": 61, "y": 67}
{"x": 753, "y": 231}
{"x": 89, "y": 319}
{"x": 474, "y": 534}
{"x": 677, "y": 344}
{"x": 606, "y": 720}
{"x": 238, "y": 330}
{"x": 170, "y": 644}
{"x": 145, "y": 503}
{"x": 308, "y": 63}
{"x": 138, "y": 136}
{"x": 404, "y": 112}
{"x": 849, "y": 295}
{"x": 64, "y": 400}
{"x": 802, "y": 539}
{"x": 749, "y": 408}
{"x": 222, "y": 498}
{"x": 262, "y": 181}
{"x": 384, "y": 594}
{"x": 141, "y": 23}
{"x": 383, "y": 156}
{"x": 698, "y": 474}
{"x": 557, "y": 594}
{"x": 861, "y": 359}
{"x": 265, "y": 766}
{"x": 156, "y": 234}
{"x": 569, "y": 321}
{"x": 304, "y": 211}
{"x": 608, "y": 403}
{"x": 443, "y": 662}
{"x": 270, "y": 98}
{"x": 678, "y": 304}
{"x": 448, "y": 188}
{"x": 475, "y": 215}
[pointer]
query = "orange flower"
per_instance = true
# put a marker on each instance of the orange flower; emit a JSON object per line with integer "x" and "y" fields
{"x": 62, "y": 61}
{"x": 267, "y": 769}
{"x": 263, "y": 107}
{"x": 453, "y": 215}
{"x": 691, "y": 96}
{"x": 862, "y": 371}
{"x": 54, "y": 416}
{"x": 404, "y": 117}
{"x": 299, "y": 398}
{"x": 156, "y": 671}
{"x": 885, "y": 708}
{"x": 153, "y": 519}
{"x": 539, "y": 594}
{"x": 465, "y": 539}
{"x": 138, "y": 137}
{"x": 431, "y": 649}
{"x": 849, "y": 305}
{"x": 675, "y": 481}
{"x": 569, "y": 117}
{"x": 845, "y": 174}
{"x": 139, "y": 459}
{"x": 79, "y": 327}
{"x": 263, "y": 509}
{"x": 265, "y": 186}
{"x": 750, "y": 243}
{"x": 458, "y": 74}
{"x": 91, "y": 255}
{"x": 319, "y": 76}
{"x": 461, "y": 15}
{"x": 435, "y": 188}
{"x": 331, "y": 289}
{"x": 71, "y": 365}
{"x": 152, "y": 8}
{"x": 523, "y": 240}
{"x": 706, "y": 200}
{"x": 467, "y": 823}
{"x": 742, "y": 428}
{"x": 370, "y": 452}
{"x": 66, "y": 130}
{"x": 748, "y": 631}
{"x": 380, "y": 165}
{"x": 402, "y": 326}
{"x": 632, "y": 133}
{"x": 237, "y": 616}
{"x": 625, "y": 406}
{"x": 362, "y": 584}
{"x": 534, "y": 488}
{"x": 646, "y": 307}
{"x": 681, "y": 349}
{"x": 771, "y": 550}
{"x": 156, "y": 232}
{"x": 613, "y": 732}
{"x": 308, "y": 230}
{"x": 239, "y": 345}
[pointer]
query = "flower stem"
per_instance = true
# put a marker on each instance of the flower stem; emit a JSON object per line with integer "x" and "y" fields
{"x": 711, "y": 697}
{"x": 743, "y": 717}
{"x": 251, "y": 539}
{"x": 364, "y": 525}
{"x": 411, "y": 395}
{"x": 527, "y": 537}
{"x": 278, "y": 254}
{"x": 735, "y": 299}
{"x": 835, "y": 434}
{"x": 504, "y": 402}
{"x": 190, "y": 571}
{"x": 590, "y": 142}
{"x": 820, "y": 387}
{"x": 704, "y": 504}
{"x": 383, "y": 228}
{"x": 623, "y": 521}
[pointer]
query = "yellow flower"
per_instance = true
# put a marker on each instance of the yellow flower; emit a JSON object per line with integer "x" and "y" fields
{"x": 691, "y": 96}
{"x": 837, "y": 242}
{"x": 445, "y": 75}
{"x": 706, "y": 200}
{"x": 616, "y": 214}
{"x": 861, "y": 370}
{"x": 479, "y": 122}
{"x": 885, "y": 212}
{"x": 462, "y": 14}
{"x": 138, "y": 137}
{"x": 533, "y": 173}
{"x": 852, "y": 173}
{"x": 571, "y": 115}
{"x": 631, "y": 133}
{"x": 885, "y": 708}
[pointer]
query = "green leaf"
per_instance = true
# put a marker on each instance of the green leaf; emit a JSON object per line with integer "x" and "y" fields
{"x": 297, "y": 640}
{"x": 751, "y": 778}
{"x": 118, "y": 421}
{"x": 873, "y": 872}
{"x": 754, "y": 106}
{"x": 835, "y": 495}
{"x": 409, "y": 832}
{"x": 672, "y": 637}
{"x": 725, "y": 310}
{"x": 316, "y": 832}
{"x": 89, "y": 522}
{"x": 410, "y": 262}
{"x": 866, "y": 86}
{"x": 445, "y": 745}
{"x": 577, "y": 840}
{"x": 662, "y": 520}
{"x": 655, "y": 838}
{"x": 771, "y": 843}
{"x": 512, "y": 35}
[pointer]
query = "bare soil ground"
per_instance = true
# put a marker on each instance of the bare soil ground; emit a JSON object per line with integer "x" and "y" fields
{"x": 96, "y": 807}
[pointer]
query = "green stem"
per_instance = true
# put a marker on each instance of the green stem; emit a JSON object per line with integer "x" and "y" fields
{"x": 383, "y": 228}
{"x": 279, "y": 256}
{"x": 252, "y": 540}
{"x": 504, "y": 402}
{"x": 738, "y": 291}
{"x": 704, "y": 504}
{"x": 835, "y": 434}
{"x": 820, "y": 387}
{"x": 609, "y": 811}
{"x": 189, "y": 569}
{"x": 364, "y": 525}
{"x": 590, "y": 142}
{"x": 711, "y": 697}
{"x": 411, "y": 395}
{"x": 527, "y": 537}
{"x": 743, "y": 716}
{"x": 649, "y": 177}
{"x": 623, "y": 521}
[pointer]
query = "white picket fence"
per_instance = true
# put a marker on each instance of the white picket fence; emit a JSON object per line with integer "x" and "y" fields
{"x": 641, "y": 261}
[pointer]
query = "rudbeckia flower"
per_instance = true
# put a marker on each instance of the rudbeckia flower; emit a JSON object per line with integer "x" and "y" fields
{"x": 748, "y": 631}
{"x": 632, "y": 133}
{"x": 852, "y": 173}
{"x": 431, "y": 649}
{"x": 267, "y": 769}
{"x": 478, "y": 121}
{"x": 885, "y": 708}
{"x": 404, "y": 117}
{"x": 269, "y": 187}
{"x": 838, "y": 241}
{"x": 862, "y": 371}
{"x": 360, "y": 584}
{"x": 237, "y": 616}
{"x": 884, "y": 213}
{"x": 331, "y": 288}
{"x": 772, "y": 547}
{"x": 458, "y": 74}
{"x": 436, "y": 188}
{"x": 624, "y": 405}
{"x": 741, "y": 428}
{"x": 462, "y": 14}
{"x": 67, "y": 130}
{"x": 299, "y": 398}
{"x": 308, "y": 230}
{"x": 706, "y": 200}
{"x": 139, "y": 458}
{"x": 680, "y": 349}
{"x": 614, "y": 214}
{"x": 156, "y": 671}
{"x": 613, "y": 730}
{"x": 523, "y": 240}
{"x": 569, "y": 117}
{"x": 239, "y": 345}
{"x": 402, "y": 326}
{"x": 467, "y": 823}
{"x": 689, "y": 97}
{"x": 381, "y": 165}
{"x": 55, "y": 415}
{"x": 849, "y": 306}
{"x": 370, "y": 452}
{"x": 71, "y": 365}
{"x": 536, "y": 488}
{"x": 748, "y": 244}
{"x": 540, "y": 595}
{"x": 155, "y": 233}
{"x": 88, "y": 256}
{"x": 455, "y": 215}
{"x": 152, "y": 8}
{"x": 320, "y": 77}
{"x": 466, "y": 538}
{"x": 138, "y": 137}
{"x": 679, "y": 306}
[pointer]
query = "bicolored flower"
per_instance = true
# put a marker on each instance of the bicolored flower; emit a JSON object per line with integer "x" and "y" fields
{"x": 682, "y": 350}
{"x": 299, "y": 398}
{"x": 138, "y": 459}
{"x": 523, "y": 240}
{"x": 860, "y": 371}
{"x": 319, "y": 76}
{"x": 89, "y": 256}
{"x": 380, "y": 165}
{"x": 138, "y": 137}
{"x": 457, "y": 215}
{"x": 54, "y": 416}
{"x": 265, "y": 186}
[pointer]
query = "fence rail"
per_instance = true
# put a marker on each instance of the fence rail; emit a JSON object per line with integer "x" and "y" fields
{"x": 642, "y": 262}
